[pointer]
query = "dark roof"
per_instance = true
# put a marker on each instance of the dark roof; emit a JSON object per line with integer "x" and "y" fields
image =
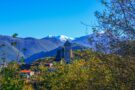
{"x": 67, "y": 43}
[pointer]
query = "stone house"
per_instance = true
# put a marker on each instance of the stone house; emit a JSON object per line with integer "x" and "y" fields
{"x": 65, "y": 52}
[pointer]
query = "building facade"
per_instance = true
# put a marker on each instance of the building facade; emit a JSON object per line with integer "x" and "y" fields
{"x": 65, "y": 52}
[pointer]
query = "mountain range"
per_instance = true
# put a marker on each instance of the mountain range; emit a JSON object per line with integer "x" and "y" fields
{"x": 32, "y": 48}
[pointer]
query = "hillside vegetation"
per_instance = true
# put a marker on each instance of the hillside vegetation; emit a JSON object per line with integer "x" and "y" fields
{"x": 88, "y": 71}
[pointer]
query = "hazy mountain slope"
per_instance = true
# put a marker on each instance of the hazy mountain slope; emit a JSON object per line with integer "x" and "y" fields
{"x": 51, "y": 53}
{"x": 8, "y": 52}
{"x": 30, "y": 46}
{"x": 37, "y": 45}
{"x": 94, "y": 41}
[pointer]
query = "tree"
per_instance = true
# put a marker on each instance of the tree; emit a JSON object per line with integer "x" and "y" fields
{"x": 14, "y": 43}
{"x": 3, "y": 58}
{"x": 15, "y": 35}
{"x": 10, "y": 78}
{"x": 118, "y": 20}
{"x": 118, "y": 17}
{"x": 24, "y": 50}
{"x": 27, "y": 86}
{"x": 22, "y": 61}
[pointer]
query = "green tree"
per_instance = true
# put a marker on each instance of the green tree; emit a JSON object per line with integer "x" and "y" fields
{"x": 15, "y": 43}
{"x": 118, "y": 21}
{"x": 118, "y": 17}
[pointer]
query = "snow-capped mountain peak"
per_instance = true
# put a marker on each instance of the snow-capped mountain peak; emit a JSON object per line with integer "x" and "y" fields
{"x": 50, "y": 36}
{"x": 64, "y": 38}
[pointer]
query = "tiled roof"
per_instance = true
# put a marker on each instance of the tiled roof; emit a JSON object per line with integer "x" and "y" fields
{"x": 25, "y": 71}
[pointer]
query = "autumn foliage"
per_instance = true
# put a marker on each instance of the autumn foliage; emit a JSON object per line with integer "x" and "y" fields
{"x": 89, "y": 71}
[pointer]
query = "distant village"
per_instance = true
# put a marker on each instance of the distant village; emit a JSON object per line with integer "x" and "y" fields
{"x": 64, "y": 53}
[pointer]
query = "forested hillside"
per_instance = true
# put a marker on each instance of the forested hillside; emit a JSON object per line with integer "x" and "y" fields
{"x": 89, "y": 71}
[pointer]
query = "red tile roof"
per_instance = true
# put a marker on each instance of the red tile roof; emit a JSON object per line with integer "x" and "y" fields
{"x": 25, "y": 71}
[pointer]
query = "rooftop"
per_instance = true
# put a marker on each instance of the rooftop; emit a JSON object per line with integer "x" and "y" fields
{"x": 25, "y": 71}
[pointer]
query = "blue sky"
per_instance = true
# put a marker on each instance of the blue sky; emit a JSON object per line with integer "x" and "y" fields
{"x": 39, "y": 18}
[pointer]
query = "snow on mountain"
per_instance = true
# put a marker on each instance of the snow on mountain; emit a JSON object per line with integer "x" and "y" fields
{"x": 64, "y": 38}
{"x": 88, "y": 41}
{"x": 30, "y": 46}
{"x": 95, "y": 41}
{"x": 61, "y": 38}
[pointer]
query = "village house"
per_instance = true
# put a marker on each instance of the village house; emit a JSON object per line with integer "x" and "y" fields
{"x": 64, "y": 52}
{"x": 26, "y": 73}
